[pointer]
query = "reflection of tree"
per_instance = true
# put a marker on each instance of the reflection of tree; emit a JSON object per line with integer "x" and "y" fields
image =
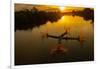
{"x": 27, "y": 19}
{"x": 87, "y": 14}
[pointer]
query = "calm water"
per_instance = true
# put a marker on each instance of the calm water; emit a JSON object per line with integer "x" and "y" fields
{"x": 30, "y": 48}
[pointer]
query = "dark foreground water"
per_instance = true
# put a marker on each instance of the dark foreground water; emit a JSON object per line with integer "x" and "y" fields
{"x": 30, "y": 48}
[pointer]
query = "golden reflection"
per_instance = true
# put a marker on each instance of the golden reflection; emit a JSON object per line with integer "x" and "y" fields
{"x": 65, "y": 22}
{"x": 63, "y": 17}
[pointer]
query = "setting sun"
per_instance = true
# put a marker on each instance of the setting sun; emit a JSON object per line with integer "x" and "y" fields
{"x": 62, "y": 8}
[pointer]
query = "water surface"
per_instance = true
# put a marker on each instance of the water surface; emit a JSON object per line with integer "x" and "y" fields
{"x": 31, "y": 48}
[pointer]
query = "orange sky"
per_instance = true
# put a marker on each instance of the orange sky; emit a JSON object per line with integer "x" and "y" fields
{"x": 19, "y": 7}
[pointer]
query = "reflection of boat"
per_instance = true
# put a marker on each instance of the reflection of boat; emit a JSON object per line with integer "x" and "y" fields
{"x": 58, "y": 50}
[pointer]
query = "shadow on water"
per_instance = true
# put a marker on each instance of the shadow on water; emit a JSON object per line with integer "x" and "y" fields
{"x": 27, "y": 19}
{"x": 87, "y": 14}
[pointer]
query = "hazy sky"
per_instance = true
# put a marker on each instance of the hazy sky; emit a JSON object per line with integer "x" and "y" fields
{"x": 19, "y": 7}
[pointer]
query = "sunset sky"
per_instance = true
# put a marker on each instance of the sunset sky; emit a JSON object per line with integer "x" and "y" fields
{"x": 19, "y": 7}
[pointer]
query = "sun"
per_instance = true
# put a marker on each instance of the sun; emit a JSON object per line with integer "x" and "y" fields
{"x": 62, "y": 8}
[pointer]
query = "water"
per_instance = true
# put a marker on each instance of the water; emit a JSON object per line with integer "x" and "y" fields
{"x": 31, "y": 48}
